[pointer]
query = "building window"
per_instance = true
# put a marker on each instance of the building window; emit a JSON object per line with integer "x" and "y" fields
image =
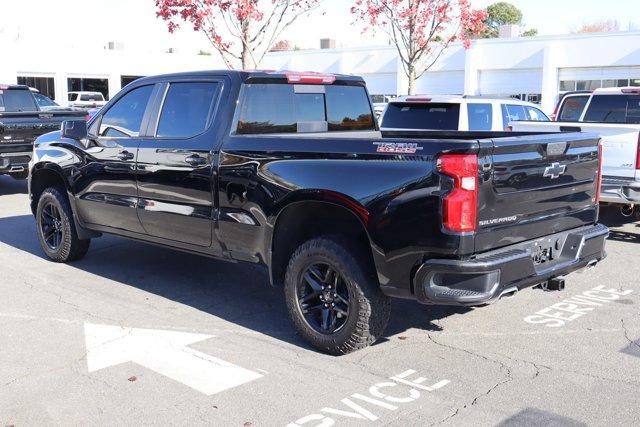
{"x": 81, "y": 84}
{"x": 567, "y": 85}
{"x": 45, "y": 85}
{"x": 571, "y": 85}
{"x": 125, "y": 80}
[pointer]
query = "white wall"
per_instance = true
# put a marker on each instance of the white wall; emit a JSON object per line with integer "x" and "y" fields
{"x": 20, "y": 59}
{"x": 538, "y": 59}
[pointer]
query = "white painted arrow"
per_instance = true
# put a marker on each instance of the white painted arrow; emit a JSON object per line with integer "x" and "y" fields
{"x": 165, "y": 352}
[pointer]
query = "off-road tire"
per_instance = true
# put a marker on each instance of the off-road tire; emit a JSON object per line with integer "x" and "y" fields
{"x": 71, "y": 248}
{"x": 369, "y": 308}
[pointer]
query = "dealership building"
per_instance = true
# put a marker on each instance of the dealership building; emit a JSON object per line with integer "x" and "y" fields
{"x": 532, "y": 68}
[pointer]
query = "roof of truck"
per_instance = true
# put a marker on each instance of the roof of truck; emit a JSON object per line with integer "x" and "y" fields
{"x": 459, "y": 99}
{"x": 617, "y": 90}
{"x": 261, "y": 75}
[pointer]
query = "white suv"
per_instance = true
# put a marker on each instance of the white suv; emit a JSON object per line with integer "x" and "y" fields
{"x": 86, "y": 99}
{"x": 457, "y": 113}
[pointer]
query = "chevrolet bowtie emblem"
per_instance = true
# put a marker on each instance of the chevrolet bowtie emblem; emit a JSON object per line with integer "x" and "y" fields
{"x": 555, "y": 170}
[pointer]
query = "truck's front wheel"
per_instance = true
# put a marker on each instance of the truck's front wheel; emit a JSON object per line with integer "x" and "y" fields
{"x": 56, "y": 228}
{"x": 333, "y": 297}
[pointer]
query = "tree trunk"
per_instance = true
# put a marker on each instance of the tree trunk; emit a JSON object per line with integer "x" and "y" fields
{"x": 246, "y": 59}
{"x": 411, "y": 75}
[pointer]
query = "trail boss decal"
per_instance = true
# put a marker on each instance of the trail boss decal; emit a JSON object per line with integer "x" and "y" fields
{"x": 397, "y": 147}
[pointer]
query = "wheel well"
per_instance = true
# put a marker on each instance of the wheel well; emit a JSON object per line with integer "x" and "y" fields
{"x": 40, "y": 181}
{"x": 303, "y": 221}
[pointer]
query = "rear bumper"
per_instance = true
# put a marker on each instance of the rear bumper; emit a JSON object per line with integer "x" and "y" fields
{"x": 491, "y": 275}
{"x": 14, "y": 162}
{"x": 620, "y": 190}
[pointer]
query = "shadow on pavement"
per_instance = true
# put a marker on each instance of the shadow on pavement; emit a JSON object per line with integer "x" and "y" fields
{"x": 239, "y": 293}
{"x": 10, "y": 186}
{"x": 623, "y": 229}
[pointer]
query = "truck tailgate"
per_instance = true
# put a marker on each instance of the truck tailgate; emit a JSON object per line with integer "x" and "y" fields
{"x": 532, "y": 186}
{"x": 24, "y": 127}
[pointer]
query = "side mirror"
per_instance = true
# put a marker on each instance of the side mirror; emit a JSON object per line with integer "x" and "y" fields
{"x": 74, "y": 129}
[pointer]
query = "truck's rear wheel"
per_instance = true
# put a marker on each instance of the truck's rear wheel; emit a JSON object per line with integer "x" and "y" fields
{"x": 56, "y": 228}
{"x": 333, "y": 297}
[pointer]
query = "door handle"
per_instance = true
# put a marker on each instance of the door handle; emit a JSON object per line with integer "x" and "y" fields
{"x": 124, "y": 155}
{"x": 195, "y": 160}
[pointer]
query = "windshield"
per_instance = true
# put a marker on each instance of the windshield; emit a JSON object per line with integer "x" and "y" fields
{"x": 407, "y": 115}
{"x": 16, "y": 100}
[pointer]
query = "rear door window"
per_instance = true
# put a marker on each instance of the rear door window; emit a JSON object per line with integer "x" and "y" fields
{"x": 534, "y": 114}
{"x": 124, "y": 118}
{"x": 12, "y": 100}
{"x": 186, "y": 109}
{"x": 572, "y": 107}
{"x": 513, "y": 112}
{"x": 480, "y": 116}
{"x": 409, "y": 115}
{"x": 284, "y": 108}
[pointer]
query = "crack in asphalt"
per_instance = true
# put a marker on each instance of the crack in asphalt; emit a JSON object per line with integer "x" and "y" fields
{"x": 626, "y": 335}
{"x": 509, "y": 377}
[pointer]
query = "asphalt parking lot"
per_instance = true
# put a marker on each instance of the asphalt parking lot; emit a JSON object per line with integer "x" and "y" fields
{"x": 135, "y": 334}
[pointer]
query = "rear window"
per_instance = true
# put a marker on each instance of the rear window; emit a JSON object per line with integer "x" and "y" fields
{"x": 284, "y": 108}
{"x": 613, "y": 109}
{"x": 407, "y": 115}
{"x": 572, "y": 108}
{"x": 480, "y": 116}
{"x": 12, "y": 100}
{"x": 91, "y": 97}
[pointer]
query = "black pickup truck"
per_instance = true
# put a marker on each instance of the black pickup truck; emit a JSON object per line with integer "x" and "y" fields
{"x": 289, "y": 170}
{"x": 21, "y": 122}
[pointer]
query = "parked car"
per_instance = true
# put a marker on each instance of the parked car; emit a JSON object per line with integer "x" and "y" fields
{"x": 21, "y": 121}
{"x": 614, "y": 114}
{"x": 570, "y": 105}
{"x": 457, "y": 113}
{"x": 340, "y": 215}
{"x": 86, "y": 99}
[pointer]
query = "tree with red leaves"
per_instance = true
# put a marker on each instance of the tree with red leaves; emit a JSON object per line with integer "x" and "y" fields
{"x": 240, "y": 30}
{"x": 421, "y": 30}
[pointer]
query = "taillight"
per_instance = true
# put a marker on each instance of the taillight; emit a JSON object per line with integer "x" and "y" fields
{"x": 508, "y": 128}
{"x": 460, "y": 206}
{"x": 599, "y": 185}
{"x": 87, "y": 117}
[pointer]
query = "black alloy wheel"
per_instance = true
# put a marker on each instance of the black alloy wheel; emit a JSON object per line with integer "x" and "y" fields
{"x": 323, "y": 298}
{"x": 51, "y": 226}
{"x": 56, "y": 228}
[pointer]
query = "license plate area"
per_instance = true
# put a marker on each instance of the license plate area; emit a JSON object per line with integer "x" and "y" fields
{"x": 541, "y": 254}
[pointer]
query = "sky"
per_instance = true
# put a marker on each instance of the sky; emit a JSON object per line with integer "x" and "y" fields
{"x": 133, "y": 22}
